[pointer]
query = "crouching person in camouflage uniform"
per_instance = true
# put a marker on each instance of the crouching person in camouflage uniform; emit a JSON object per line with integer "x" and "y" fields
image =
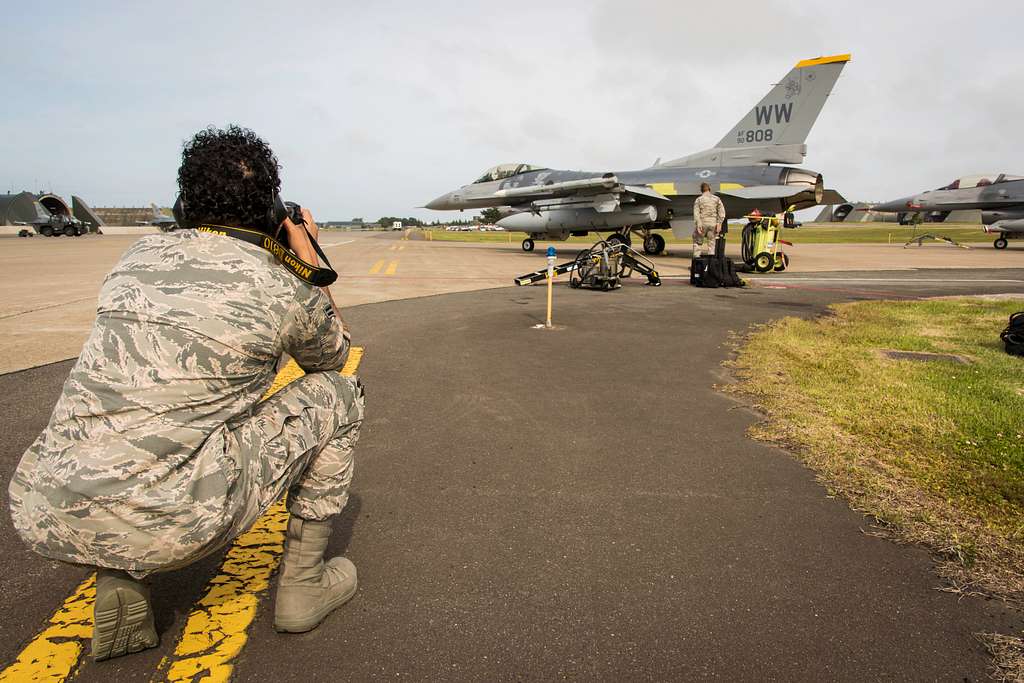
{"x": 708, "y": 216}
{"x": 160, "y": 450}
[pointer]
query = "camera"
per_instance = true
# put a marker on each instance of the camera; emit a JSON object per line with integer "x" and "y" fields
{"x": 294, "y": 213}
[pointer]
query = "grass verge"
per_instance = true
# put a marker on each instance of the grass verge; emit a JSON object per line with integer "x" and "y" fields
{"x": 1008, "y": 653}
{"x": 933, "y": 449}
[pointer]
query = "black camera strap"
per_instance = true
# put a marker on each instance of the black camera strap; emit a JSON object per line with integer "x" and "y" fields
{"x": 307, "y": 272}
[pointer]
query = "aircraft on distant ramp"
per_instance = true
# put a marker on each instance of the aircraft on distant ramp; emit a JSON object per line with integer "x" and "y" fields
{"x": 160, "y": 220}
{"x": 552, "y": 204}
{"x": 999, "y": 197}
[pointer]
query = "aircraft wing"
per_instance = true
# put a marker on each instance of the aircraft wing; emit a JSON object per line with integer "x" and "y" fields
{"x": 646, "y": 192}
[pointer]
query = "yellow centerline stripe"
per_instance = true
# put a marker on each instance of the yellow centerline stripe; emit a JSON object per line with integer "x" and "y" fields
{"x": 216, "y": 630}
{"x": 392, "y": 267}
{"x": 376, "y": 267}
{"x": 53, "y": 655}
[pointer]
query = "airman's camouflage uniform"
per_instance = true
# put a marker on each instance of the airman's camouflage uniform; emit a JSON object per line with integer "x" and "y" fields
{"x": 159, "y": 450}
{"x": 708, "y": 214}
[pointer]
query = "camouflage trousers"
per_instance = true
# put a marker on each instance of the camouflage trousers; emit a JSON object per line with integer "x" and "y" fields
{"x": 700, "y": 236}
{"x": 298, "y": 441}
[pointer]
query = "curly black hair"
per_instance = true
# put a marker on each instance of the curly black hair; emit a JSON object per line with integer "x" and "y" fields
{"x": 228, "y": 176}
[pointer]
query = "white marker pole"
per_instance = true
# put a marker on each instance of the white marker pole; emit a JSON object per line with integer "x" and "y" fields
{"x": 551, "y": 281}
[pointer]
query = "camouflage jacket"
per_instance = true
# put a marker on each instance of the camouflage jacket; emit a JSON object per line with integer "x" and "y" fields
{"x": 188, "y": 333}
{"x": 708, "y": 212}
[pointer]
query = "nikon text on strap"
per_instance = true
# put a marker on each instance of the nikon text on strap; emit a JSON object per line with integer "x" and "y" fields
{"x": 307, "y": 272}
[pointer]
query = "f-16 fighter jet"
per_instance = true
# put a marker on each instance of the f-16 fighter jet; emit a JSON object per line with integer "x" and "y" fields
{"x": 999, "y": 197}
{"x": 742, "y": 169}
{"x": 160, "y": 220}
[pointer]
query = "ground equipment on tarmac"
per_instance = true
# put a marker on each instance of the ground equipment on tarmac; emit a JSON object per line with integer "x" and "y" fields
{"x": 599, "y": 267}
{"x": 760, "y": 241}
{"x": 916, "y": 222}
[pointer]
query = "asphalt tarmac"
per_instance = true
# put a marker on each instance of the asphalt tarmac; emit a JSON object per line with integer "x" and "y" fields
{"x": 575, "y": 503}
{"x": 49, "y": 286}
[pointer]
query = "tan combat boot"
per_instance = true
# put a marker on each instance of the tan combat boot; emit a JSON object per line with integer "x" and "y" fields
{"x": 122, "y": 616}
{"x": 308, "y": 588}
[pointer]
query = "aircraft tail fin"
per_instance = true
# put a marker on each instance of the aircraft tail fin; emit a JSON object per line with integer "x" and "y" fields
{"x": 787, "y": 113}
{"x": 774, "y": 131}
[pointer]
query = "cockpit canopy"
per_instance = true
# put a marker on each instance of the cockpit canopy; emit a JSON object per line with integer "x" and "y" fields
{"x": 980, "y": 181}
{"x": 502, "y": 171}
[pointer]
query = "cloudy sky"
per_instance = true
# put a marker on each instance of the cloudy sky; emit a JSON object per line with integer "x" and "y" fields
{"x": 374, "y": 108}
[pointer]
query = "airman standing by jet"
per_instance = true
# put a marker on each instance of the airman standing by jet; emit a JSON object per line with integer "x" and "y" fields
{"x": 708, "y": 216}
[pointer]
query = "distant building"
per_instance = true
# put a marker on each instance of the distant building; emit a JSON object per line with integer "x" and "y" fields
{"x": 127, "y": 215}
{"x": 354, "y": 224}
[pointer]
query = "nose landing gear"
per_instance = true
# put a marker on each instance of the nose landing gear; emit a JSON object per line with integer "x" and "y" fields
{"x": 653, "y": 243}
{"x": 528, "y": 244}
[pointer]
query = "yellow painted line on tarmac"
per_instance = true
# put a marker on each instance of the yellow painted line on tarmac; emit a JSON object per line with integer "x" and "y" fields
{"x": 376, "y": 267}
{"x": 53, "y": 655}
{"x": 392, "y": 267}
{"x": 217, "y": 628}
{"x": 355, "y": 357}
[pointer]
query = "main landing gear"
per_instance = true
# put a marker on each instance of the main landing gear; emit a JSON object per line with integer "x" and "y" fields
{"x": 528, "y": 244}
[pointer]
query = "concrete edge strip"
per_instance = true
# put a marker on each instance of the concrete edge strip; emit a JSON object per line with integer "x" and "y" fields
{"x": 216, "y": 629}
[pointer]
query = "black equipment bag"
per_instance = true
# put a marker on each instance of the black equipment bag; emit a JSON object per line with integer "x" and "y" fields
{"x": 728, "y": 276}
{"x": 714, "y": 271}
{"x": 698, "y": 270}
{"x": 1013, "y": 335}
{"x": 717, "y": 270}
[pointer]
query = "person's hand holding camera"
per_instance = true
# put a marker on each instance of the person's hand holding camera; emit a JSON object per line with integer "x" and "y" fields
{"x": 299, "y": 236}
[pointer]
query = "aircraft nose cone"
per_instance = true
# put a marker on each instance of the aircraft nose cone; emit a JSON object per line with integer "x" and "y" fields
{"x": 895, "y": 206}
{"x": 441, "y": 203}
